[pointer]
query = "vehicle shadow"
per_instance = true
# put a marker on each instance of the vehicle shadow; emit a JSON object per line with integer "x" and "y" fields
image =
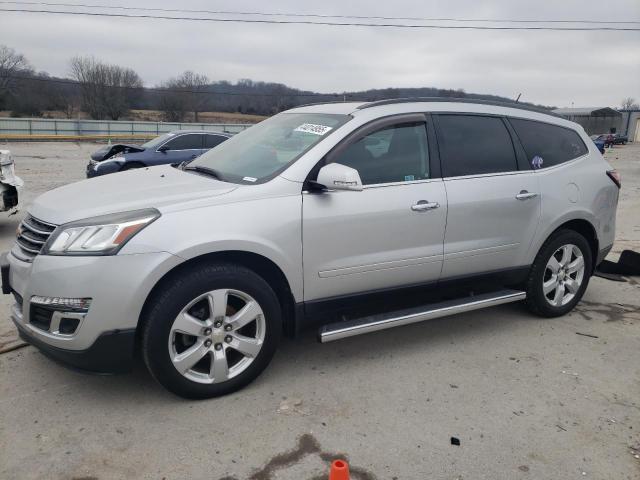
{"x": 297, "y": 357}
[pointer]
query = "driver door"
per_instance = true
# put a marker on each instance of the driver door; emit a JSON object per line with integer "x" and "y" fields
{"x": 391, "y": 233}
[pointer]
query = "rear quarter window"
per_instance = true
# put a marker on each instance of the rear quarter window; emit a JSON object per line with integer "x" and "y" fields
{"x": 550, "y": 143}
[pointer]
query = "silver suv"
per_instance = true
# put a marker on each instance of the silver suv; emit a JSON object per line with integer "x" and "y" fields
{"x": 348, "y": 217}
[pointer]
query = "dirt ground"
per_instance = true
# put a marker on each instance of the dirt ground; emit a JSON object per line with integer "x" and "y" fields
{"x": 527, "y": 398}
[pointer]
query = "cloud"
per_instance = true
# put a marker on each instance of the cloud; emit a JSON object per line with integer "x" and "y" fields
{"x": 554, "y": 68}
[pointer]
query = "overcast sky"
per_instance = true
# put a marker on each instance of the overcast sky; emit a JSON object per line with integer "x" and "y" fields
{"x": 552, "y": 68}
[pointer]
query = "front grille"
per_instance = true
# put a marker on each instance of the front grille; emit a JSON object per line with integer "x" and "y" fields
{"x": 32, "y": 235}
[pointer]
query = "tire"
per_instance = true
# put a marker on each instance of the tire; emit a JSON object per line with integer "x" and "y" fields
{"x": 568, "y": 280}
{"x": 204, "y": 300}
{"x": 131, "y": 166}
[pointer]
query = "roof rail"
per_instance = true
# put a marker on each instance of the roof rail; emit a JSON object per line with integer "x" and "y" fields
{"x": 520, "y": 106}
{"x": 328, "y": 102}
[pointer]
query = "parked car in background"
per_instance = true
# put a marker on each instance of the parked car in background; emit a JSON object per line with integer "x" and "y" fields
{"x": 600, "y": 143}
{"x": 607, "y": 138}
{"x": 620, "y": 139}
{"x": 173, "y": 147}
{"x": 9, "y": 182}
{"x": 315, "y": 217}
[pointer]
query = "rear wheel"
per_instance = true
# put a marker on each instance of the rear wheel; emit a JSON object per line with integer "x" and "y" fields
{"x": 560, "y": 274}
{"x": 211, "y": 331}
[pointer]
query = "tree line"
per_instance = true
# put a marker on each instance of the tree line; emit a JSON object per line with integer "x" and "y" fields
{"x": 107, "y": 91}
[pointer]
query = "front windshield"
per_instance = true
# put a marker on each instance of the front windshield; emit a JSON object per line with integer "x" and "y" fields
{"x": 265, "y": 149}
{"x": 155, "y": 142}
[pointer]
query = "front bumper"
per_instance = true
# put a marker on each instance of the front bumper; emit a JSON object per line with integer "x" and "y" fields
{"x": 117, "y": 285}
{"x": 90, "y": 171}
{"x": 112, "y": 352}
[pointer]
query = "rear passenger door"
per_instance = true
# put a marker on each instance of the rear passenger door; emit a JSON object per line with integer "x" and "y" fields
{"x": 493, "y": 195}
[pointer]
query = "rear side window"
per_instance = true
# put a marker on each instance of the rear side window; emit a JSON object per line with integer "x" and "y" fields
{"x": 548, "y": 145}
{"x": 474, "y": 145}
{"x": 211, "y": 141}
{"x": 186, "y": 142}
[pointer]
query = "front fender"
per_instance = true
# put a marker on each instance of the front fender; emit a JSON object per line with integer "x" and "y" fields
{"x": 268, "y": 250}
{"x": 270, "y": 227}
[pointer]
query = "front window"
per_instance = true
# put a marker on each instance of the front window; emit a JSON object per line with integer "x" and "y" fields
{"x": 156, "y": 142}
{"x": 264, "y": 150}
{"x": 398, "y": 153}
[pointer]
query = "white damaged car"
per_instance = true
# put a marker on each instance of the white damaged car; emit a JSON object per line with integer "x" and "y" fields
{"x": 10, "y": 183}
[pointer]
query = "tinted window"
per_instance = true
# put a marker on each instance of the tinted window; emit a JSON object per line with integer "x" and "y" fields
{"x": 393, "y": 154}
{"x": 211, "y": 141}
{"x": 553, "y": 144}
{"x": 186, "y": 142}
{"x": 473, "y": 145}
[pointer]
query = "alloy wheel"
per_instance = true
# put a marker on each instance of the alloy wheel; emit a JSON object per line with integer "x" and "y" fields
{"x": 563, "y": 275}
{"x": 217, "y": 336}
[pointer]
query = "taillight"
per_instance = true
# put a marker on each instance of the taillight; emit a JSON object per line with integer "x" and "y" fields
{"x": 615, "y": 177}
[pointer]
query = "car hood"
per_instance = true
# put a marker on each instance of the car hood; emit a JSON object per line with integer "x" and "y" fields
{"x": 125, "y": 191}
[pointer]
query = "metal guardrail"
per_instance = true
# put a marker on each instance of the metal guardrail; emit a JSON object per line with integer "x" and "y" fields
{"x": 59, "y": 129}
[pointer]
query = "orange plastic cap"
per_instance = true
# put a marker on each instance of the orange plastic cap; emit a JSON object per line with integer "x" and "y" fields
{"x": 339, "y": 470}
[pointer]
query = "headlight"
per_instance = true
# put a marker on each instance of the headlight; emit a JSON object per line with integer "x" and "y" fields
{"x": 103, "y": 235}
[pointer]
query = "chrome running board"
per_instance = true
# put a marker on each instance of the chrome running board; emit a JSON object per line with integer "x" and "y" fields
{"x": 373, "y": 323}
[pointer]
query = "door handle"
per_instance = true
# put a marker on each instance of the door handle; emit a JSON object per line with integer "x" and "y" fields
{"x": 524, "y": 195}
{"x": 423, "y": 206}
{"x": 194, "y": 155}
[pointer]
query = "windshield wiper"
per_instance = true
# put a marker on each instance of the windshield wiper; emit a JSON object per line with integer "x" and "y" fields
{"x": 204, "y": 170}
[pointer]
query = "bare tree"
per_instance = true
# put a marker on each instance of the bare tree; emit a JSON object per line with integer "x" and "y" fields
{"x": 11, "y": 65}
{"x": 186, "y": 93}
{"x": 629, "y": 104}
{"x": 173, "y": 102}
{"x": 107, "y": 90}
{"x": 66, "y": 98}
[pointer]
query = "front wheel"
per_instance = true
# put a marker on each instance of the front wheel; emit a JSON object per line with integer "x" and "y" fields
{"x": 211, "y": 330}
{"x": 559, "y": 275}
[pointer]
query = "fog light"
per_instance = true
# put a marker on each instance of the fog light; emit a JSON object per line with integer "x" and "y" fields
{"x": 63, "y": 304}
{"x": 68, "y": 326}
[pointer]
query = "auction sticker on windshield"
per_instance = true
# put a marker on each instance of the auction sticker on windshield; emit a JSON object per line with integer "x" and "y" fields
{"x": 313, "y": 128}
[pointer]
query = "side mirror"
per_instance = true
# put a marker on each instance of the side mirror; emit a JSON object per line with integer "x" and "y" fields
{"x": 164, "y": 148}
{"x": 336, "y": 176}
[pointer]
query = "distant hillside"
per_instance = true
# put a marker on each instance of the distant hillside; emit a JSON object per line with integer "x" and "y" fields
{"x": 42, "y": 95}
{"x": 247, "y": 96}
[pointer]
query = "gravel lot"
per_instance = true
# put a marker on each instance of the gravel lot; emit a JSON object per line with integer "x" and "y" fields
{"x": 527, "y": 398}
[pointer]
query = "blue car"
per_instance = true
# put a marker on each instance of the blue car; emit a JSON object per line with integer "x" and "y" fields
{"x": 600, "y": 142}
{"x": 173, "y": 147}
